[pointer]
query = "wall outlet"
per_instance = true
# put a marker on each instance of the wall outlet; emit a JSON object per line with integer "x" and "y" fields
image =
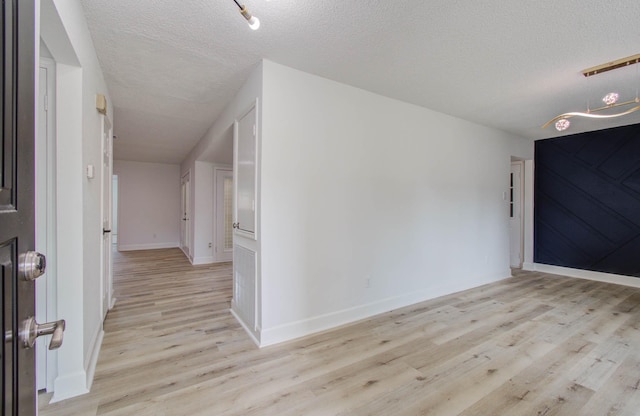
{"x": 209, "y": 245}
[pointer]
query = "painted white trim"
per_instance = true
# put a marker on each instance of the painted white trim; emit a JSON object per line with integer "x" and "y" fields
{"x": 245, "y": 326}
{"x": 151, "y": 246}
{"x": 617, "y": 279}
{"x": 203, "y": 260}
{"x": 70, "y": 385}
{"x": 289, "y": 331}
{"x": 529, "y": 266}
{"x": 92, "y": 359}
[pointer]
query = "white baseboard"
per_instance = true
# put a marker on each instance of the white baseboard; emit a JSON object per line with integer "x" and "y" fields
{"x": 150, "y": 246}
{"x": 289, "y": 331}
{"x": 245, "y": 326}
{"x": 203, "y": 260}
{"x": 92, "y": 359}
{"x": 69, "y": 386}
{"x": 529, "y": 266}
{"x": 617, "y": 279}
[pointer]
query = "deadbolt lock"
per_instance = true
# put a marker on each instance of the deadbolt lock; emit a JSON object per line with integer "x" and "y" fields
{"x": 32, "y": 265}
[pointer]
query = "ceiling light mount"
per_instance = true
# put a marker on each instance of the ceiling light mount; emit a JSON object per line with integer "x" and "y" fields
{"x": 254, "y": 22}
{"x": 610, "y": 100}
{"x": 609, "y": 66}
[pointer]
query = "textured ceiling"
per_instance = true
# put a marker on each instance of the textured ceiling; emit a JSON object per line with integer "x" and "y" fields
{"x": 172, "y": 65}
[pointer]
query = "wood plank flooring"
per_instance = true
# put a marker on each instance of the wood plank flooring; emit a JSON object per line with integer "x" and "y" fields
{"x": 535, "y": 344}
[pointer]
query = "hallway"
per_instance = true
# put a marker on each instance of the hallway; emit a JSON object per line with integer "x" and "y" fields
{"x": 169, "y": 318}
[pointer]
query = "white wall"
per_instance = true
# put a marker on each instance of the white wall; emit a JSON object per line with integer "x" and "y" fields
{"x": 79, "y": 78}
{"x": 149, "y": 205}
{"x": 203, "y": 209}
{"x": 357, "y": 186}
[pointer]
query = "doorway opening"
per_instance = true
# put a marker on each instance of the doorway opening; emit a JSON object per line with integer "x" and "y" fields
{"x": 45, "y": 207}
{"x": 185, "y": 229}
{"x": 516, "y": 214}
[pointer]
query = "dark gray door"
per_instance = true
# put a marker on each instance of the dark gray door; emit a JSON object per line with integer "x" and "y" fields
{"x": 17, "y": 202}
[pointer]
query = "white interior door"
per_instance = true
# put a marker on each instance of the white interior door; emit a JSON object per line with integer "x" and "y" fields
{"x": 245, "y": 167}
{"x": 185, "y": 234}
{"x": 224, "y": 215}
{"x": 515, "y": 214}
{"x": 107, "y": 204}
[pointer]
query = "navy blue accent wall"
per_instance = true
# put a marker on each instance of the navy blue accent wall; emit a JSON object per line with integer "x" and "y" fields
{"x": 587, "y": 201}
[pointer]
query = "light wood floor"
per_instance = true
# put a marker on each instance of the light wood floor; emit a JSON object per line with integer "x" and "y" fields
{"x": 535, "y": 344}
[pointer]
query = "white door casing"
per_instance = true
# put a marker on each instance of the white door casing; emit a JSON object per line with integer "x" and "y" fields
{"x": 515, "y": 215}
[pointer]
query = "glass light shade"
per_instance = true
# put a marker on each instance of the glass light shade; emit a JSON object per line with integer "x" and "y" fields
{"x": 610, "y": 98}
{"x": 562, "y": 124}
{"x": 254, "y": 23}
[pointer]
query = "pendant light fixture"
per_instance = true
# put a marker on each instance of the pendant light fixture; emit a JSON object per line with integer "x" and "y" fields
{"x": 254, "y": 22}
{"x": 610, "y": 100}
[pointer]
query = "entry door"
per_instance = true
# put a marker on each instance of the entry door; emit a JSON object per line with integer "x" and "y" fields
{"x": 107, "y": 203}
{"x": 515, "y": 214}
{"x": 185, "y": 220}
{"x": 17, "y": 229}
{"x": 224, "y": 215}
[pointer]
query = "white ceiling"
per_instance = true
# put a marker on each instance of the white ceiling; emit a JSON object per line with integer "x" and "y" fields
{"x": 172, "y": 65}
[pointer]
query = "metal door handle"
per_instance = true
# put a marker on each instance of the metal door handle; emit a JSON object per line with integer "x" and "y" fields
{"x": 31, "y": 330}
{"x": 104, "y": 231}
{"x": 235, "y": 225}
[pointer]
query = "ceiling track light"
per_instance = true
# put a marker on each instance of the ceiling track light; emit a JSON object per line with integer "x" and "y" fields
{"x": 610, "y": 100}
{"x": 254, "y": 22}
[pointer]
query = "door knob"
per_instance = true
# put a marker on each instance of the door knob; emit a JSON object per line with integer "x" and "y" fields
{"x": 235, "y": 225}
{"x": 32, "y": 330}
{"x": 32, "y": 265}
